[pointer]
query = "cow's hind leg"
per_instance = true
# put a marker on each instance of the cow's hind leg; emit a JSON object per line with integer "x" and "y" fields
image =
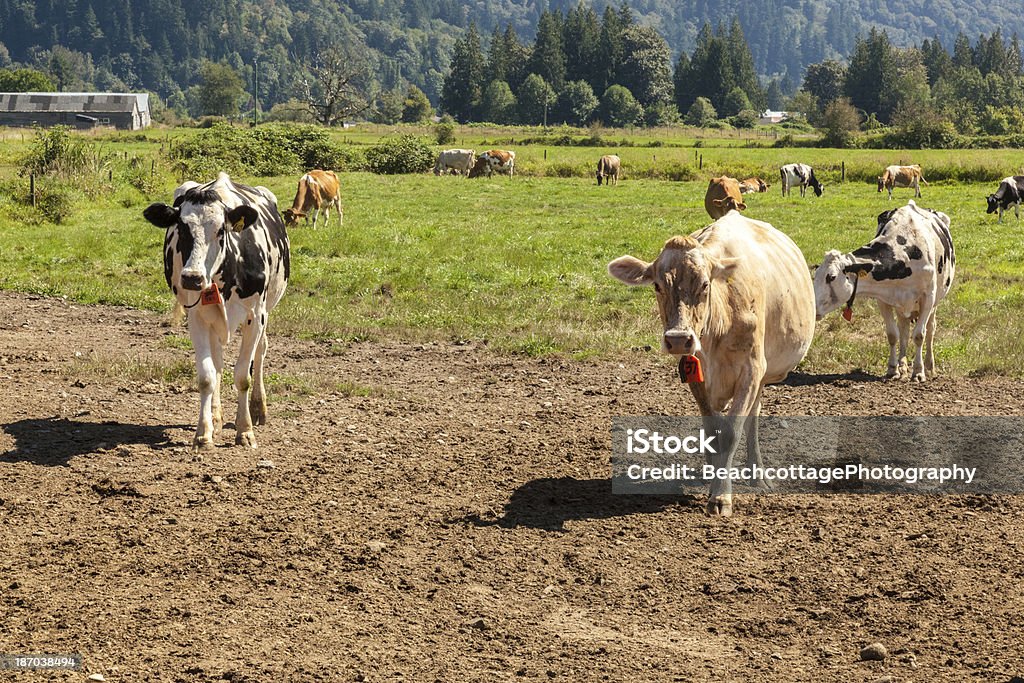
{"x": 892, "y": 335}
{"x": 252, "y": 332}
{"x": 258, "y": 402}
{"x": 929, "y": 357}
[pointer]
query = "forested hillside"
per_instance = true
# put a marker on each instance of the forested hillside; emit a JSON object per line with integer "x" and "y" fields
{"x": 160, "y": 44}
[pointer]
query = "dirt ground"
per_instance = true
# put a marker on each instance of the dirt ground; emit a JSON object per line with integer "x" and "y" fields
{"x": 441, "y": 512}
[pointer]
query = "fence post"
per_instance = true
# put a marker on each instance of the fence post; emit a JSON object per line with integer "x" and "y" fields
{"x": 152, "y": 167}
{"x": 844, "y": 172}
{"x": 700, "y": 166}
{"x": 110, "y": 175}
{"x": 545, "y": 155}
{"x": 32, "y": 188}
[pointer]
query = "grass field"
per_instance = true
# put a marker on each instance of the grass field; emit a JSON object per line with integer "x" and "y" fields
{"x": 521, "y": 262}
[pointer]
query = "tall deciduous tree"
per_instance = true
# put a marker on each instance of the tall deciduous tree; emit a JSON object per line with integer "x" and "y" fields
{"x": 825, "y": 80}
{"x": 416, "y": 106}
{"x": 220, "y": 91}
{"x": 619, "y": 108}
{"x": 646, "y": 68}
{"x": 576, "y": 103}
{"x": 338, "y": 87}
{"x": 499, "y": 104}
{"x": 536, "y": 97}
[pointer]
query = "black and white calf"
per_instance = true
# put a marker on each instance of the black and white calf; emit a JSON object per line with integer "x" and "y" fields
{"x": 908, "y": 269}
{"x": 226, "y": 258}
{"x": 802, "y": 175}
{"x": 1010, "y": 193}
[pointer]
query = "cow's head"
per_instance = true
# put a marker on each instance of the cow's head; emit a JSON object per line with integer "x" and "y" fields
{"x": 833, "y": 281}
{"x": 881, "y": 183}
{"x": 292, "y": 216}
{"x": 819, "y": 189}
{"x": 993, "y": 203}
{"x": 202, "y": 220}
{"x": 480, "y": 167}
{"x": 682, "y": 277}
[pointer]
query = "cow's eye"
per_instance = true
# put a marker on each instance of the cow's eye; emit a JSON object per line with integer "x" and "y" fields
{"x": 704, "y": 287}
{"x": 829, "y": 278}
{"x": 657, "y": 288}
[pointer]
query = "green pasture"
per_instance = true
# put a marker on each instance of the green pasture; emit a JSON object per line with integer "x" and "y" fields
{"x": 521, "y": 262}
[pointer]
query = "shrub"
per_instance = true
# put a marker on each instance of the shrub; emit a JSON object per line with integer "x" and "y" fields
{"x": 701, "y": 113}
{"x": 404, "y": 154}
{"x": 619, "y": 108}
{"x": 56, "y": 151}
{"x": 444, "y": 131}
{"x": 56, "y": 202}
{"x": 745, "y": 119}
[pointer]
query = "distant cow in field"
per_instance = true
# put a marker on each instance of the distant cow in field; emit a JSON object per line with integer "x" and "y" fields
{"x": 901, "y": 176}
{"x": 317, "y": 189}
{"x": 494, "y": 161}
{"x": 802, "y": 175}
{"x": 723, "y": 196}
{"x": 1010, "y": 193}
{"x": 736, "y": 296}
{"x": 908, "y": 269}
{"x": 458, "y": 160}
{"x": 226, "y": 259}
{"x": 608, "y": 169}
{"x": 753, "y": 185}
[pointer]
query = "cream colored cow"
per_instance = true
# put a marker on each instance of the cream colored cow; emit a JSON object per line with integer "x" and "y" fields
{"x": 737, "y": 296}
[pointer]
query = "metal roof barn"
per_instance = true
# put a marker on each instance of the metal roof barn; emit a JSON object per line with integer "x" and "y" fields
{"x": 128, "y": 111}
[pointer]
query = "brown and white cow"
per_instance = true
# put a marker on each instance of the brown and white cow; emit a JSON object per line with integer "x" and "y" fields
{"x": 316, "y": 189}
{"x": 736, "y": 295}
{"x": 908, "y": 269}
{"x": 608, "y": 169}
{"x": 902, "y": 176}
{"x": 494, "y": 161}
{"x": 753, "y": 185}
{"x": 458, "y": 160}
{"x": 723, "y": 196}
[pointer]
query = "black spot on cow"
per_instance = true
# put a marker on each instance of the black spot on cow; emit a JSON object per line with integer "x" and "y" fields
{"x": 201, "y": 195}
{"x": 914, "y": 252}
{"x": 174, "y": 288}
{"x": 942, "y": 263}
{"x": 887, "y": 266}
{"x": 901, "y": 239}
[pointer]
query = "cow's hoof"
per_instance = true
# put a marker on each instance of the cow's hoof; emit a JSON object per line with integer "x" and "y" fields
{"x": 719, "y": 507}
{"x": 218, "y": 422}
{"x": 247, "y": 439}
{"x": 892, "y": 373}
{"x": 918, "y": 377}
{"x": 202, "y": 444}
{"x": 762, "y": 484}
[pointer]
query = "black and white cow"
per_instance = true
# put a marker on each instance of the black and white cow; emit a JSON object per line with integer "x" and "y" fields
{"x": 1010, "y": 193}
{"x": 908, "y": 269}
{"x": 226, "y": 258}
{"x": 802, "y": 175}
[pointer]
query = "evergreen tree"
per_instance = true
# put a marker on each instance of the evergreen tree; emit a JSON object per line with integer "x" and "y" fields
{"x": 963, "y": 56}
{"x": 937, "y": 61}
{"x": 743, "y": 73}
{"x": 547, "y": 59}
{"x": 580, "y": 35}
{"x": 872, "y": 59}
{"x": 609, "y": 51}
{"x": 776, "y": 99}
{"x": 460, "y": 95}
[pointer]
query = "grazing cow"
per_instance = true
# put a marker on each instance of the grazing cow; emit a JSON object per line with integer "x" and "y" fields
{"x": 753, "y": 185}
{"x": 736, "y": 295}
{"x": 723, "y": 196}
{"x": 226, "y": 258}
{"x": 316, "y": 189}
{"x": 458, "y": 160}
{"x": 802, "y": 175}
{"x": 494, "y": 161}
{"x": 902, "y": 176}
{"x": 608, "y": 169}
{"x": 1010, "y": 193}
{"x": 908, "y": 269}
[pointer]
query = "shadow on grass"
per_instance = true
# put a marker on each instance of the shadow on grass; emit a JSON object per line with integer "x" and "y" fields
{"x": 53, "y": 441}
{"x": 549, "y": 503}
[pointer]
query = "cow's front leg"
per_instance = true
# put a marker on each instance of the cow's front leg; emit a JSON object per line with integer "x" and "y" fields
{"x": 743, "y": 405}
{"x": 252, "y": 331}
{"x": 206, "y": 378}
{"x": 217, "y": 353}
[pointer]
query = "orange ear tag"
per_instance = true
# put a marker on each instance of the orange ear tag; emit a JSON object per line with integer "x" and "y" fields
{"x": 211, "y": 296}
{"x": 848, "y": 314}
{"x": 693, "y": 373}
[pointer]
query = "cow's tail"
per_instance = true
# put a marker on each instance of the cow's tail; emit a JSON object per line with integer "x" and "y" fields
{"x": 923, "y": 180}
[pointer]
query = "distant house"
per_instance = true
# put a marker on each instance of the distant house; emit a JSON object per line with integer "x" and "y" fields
{"x": 128, "y": 111}
{"x": 769, "y": 116}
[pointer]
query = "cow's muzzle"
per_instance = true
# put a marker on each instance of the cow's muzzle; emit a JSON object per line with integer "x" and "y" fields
{"x": 681, "y": 342}
{"x": 192, "y": 282}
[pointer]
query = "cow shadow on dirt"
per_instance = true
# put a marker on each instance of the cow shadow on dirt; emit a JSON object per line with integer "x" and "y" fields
{"x": 550, "y": 502}
{"x": 804, "y": 379}
{"x": 53, "y": 441}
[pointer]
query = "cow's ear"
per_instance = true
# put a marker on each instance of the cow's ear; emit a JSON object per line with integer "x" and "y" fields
{"x": 241, "y": 217}
{"x": 813, "y": 268}
{"x": 631, "y": 270}
{"x": 722, "y": 269}
{"x": 859, "y": 268}
{"x": 161, "y": 215}
{"x": 740, "y": 205}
